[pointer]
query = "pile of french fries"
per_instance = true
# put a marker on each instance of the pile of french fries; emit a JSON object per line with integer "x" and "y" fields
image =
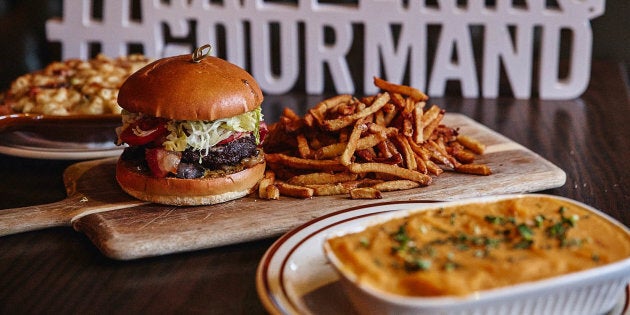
{"x": 363, "y": 147}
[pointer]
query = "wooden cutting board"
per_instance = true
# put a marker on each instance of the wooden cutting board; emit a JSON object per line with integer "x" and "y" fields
{"x": 125, "y": 228}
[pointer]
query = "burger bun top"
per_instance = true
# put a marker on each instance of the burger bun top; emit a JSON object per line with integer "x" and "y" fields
{"x": 178, "y": 88}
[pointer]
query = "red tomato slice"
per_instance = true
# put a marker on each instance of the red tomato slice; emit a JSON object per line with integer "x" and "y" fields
{"x": 152, "y": 129}
{"x": 237, "y": 135}
{"x": 231, "y": 138}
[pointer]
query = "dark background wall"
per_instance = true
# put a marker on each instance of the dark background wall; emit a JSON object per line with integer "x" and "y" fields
{"x": 23, "y": 46}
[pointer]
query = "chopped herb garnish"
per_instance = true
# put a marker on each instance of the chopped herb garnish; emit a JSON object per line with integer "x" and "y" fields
{"x": 492, "y": 243}
{"x": 573, "y": 219}
{"x": 499, "y": 220}
{"x": 416, "y": 255}
{"x": 364, "y": 242}
{"x": 463, "y": 247}
{"x": 478, "y": 241}
{"x": 418, "y": 264}
{"x": 572, "y": 242}
{"x": 557, "y": 231}
{"x": 401, "y": 235}
{"x": 402, "y": 238}
{"x": 495, "y": 219}
{"x": 523, "y": 244}
{"x": 450, "y": 266}
{"x": 462, "y": 237}
{"x": 562, "y": 210}
{"x": 525, "y": 232}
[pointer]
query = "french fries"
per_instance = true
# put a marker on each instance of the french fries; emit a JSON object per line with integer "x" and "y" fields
{"x": 305, "y": 164}
{"x": 396, "y": 171}
{"x": 471, "y": 144}
{"x": 351, "y": 147}
{"x": 266, "y": 187}
{"x": 476, "y": 169}
{"x": 362, "y": 147}
{"x": 365, "y": 193}
{"x": 394, "y": 185}
{"x": 321, "y": 178}
{"x": 406, "y": 90}
{"x": 294, "y": 190}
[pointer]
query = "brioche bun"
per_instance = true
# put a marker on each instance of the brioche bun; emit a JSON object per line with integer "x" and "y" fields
{"x": 177, "y": 88}
{"x": 187, "y": 192}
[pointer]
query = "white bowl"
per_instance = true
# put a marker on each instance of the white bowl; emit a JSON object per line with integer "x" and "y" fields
{"x": 592, "y": 291}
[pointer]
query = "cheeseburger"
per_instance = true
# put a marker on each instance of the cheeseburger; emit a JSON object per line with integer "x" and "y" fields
{"x": 193, "y": 128}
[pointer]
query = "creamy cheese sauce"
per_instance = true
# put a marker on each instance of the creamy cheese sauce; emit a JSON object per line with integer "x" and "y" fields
{"x": 463, "y": 249}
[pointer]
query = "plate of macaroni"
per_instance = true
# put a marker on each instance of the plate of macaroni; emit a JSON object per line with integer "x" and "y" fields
{"x": 59, "y": 137}
{"x": 67, "y": 110}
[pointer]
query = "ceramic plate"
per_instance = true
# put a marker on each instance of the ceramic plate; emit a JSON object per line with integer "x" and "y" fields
{"x": 59, "y": 137}
{"x": 294, "y": 277}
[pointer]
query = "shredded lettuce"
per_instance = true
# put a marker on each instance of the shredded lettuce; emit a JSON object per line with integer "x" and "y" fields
{"x": 203, "y": 134}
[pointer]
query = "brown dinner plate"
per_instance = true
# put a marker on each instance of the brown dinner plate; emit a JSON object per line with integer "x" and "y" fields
{"x": 59, "y": 137}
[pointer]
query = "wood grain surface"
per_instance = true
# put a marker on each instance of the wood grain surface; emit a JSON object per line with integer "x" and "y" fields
{"x": 138, "y": 229}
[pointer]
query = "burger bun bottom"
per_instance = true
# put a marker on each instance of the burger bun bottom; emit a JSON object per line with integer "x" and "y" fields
{"x": 187, "y": 192}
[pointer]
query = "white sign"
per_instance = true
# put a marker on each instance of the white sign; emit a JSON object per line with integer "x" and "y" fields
{"x": 522, "y": 39}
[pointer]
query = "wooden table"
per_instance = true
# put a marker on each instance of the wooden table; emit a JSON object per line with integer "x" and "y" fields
{"x": 60, "y": 271}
